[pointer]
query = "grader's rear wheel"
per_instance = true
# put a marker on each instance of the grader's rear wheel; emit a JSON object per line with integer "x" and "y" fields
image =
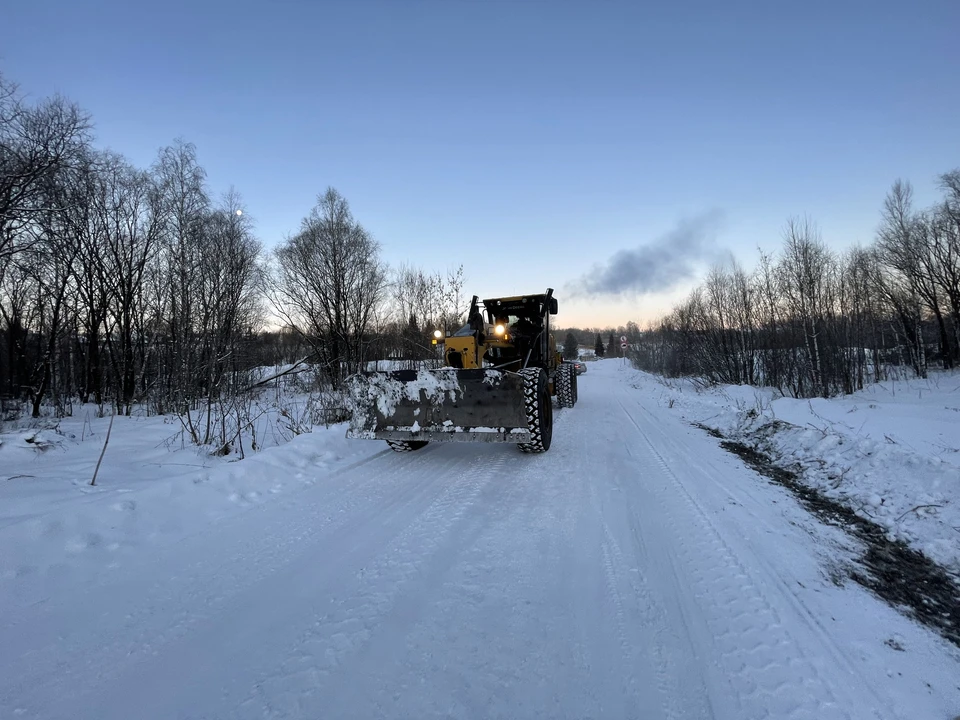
{"x": 565, "y": 379}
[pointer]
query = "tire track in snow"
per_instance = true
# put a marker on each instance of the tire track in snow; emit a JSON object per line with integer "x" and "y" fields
{"x": 680, "y": 683}
{"x": 682, "y": 699}
{"x": 782, "y": 583}
{"x": 641, "y": 650}
{"x": 372, "y": 618}
{"x": 628, "y": 660}
{"x": 753, "y": 642}
{"x": 515, "y": 621}
{"x": 651, "y": 620}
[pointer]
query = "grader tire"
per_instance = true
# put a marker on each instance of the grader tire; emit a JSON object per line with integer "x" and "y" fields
{"x": 565, "y": 380}
{"x": 539, "y": 410}
{"x": 404, "y": 446}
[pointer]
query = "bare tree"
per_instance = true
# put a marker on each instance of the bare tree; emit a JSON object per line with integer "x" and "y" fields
{"x": 769, "y": 309}
{"x": 944, "y": 234}
{"x": 36, "y": 142}
{"x": 228, "y": 304}
{"x": 132, "y": 233}
{"x": 18, "y": 309}
{"x": 50, "y": 258}
{"x": 716, "y": 322}
{"x": 860, "y": 319}
{"x": 122, "y": 285}
{"x": 804, "y": 272}
{"x": 329, "y": 282}
{"x": 814, "y": 323}
{"x": 88, "y": 215}
{"x": 743, "y": 313}
{"x": 183, "y": 206}
{"x": 421, "y": 303}
{"x": 904, "y": 242}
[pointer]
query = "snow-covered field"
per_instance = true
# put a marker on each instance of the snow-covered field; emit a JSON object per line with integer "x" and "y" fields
{"x": 635, "y": 571}
{"x": 891, "y": 452}
{"x": 152, "y": 489}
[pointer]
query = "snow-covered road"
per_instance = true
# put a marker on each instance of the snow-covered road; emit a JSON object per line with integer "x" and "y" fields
{"x": 634, "y": 571}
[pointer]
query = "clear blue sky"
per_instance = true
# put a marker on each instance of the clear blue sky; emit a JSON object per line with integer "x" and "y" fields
{"x": 527, "y": 139}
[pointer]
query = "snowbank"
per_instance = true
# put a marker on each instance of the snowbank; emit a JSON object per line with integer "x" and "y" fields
{"x": 890, "y": 452}
{"x": 152, "y": 488}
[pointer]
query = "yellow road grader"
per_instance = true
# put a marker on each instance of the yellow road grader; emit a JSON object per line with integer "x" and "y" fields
{"x": 500, "y": 372}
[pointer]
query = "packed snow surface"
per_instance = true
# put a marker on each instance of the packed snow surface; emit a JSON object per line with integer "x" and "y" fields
{"x": 636, "y": 570}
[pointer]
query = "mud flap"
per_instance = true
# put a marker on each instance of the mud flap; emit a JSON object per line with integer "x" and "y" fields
{"x": 443, "y": 405}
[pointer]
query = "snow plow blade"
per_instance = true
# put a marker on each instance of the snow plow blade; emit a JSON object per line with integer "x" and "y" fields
{"x": 442, "y": 405}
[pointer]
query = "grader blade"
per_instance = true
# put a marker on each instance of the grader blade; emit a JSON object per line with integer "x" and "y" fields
{"x": 442, "y": 405}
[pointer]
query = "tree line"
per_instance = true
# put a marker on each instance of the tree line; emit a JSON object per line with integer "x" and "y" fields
{"x": 127, "y": 286}
{"x": 814, "y": 322}
{"x": 603, "y": 342}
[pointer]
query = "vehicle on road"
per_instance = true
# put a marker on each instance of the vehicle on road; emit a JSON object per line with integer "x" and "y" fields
{"x": 501, "y": 371}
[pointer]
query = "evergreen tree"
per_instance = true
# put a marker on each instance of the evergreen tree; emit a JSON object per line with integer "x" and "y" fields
{"x": 598, "y": 347}
{"x": 613, "y": 349}
{"x": 570, "y": 347}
